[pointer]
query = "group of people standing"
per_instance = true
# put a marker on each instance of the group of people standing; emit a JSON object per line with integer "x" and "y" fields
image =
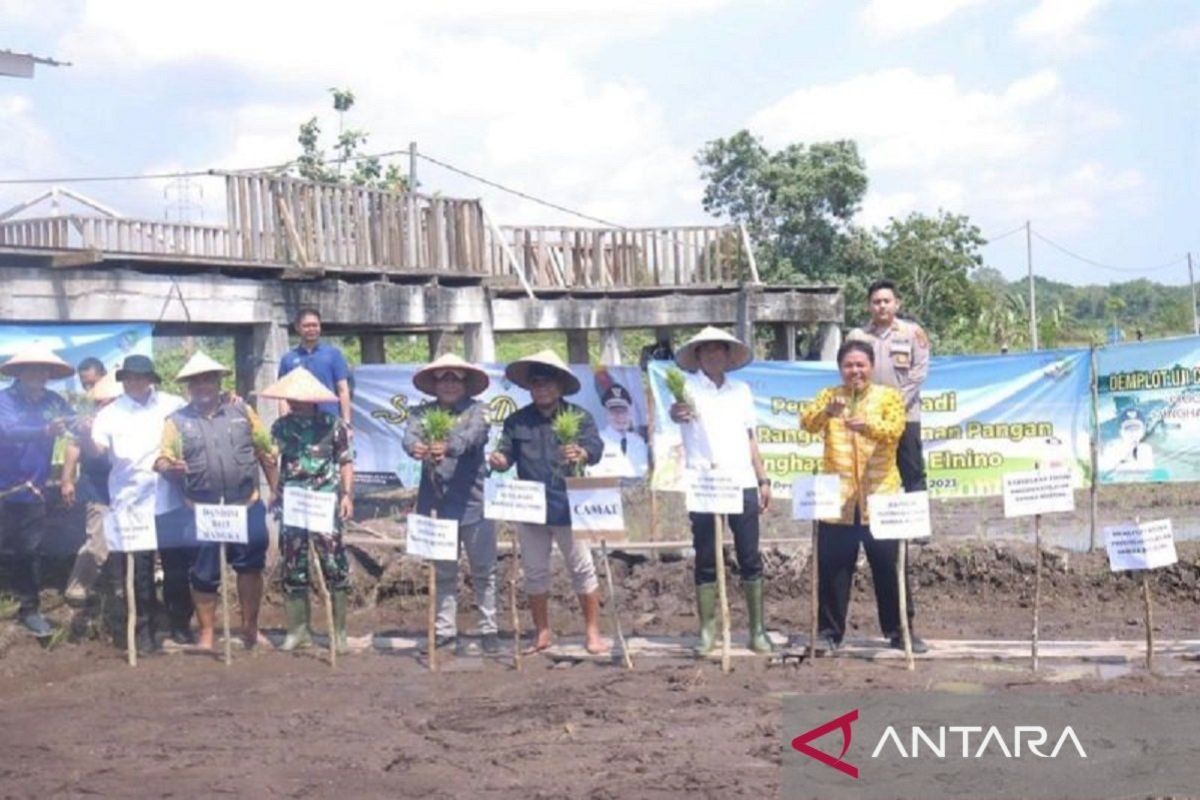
{"x": 146, "y": 450}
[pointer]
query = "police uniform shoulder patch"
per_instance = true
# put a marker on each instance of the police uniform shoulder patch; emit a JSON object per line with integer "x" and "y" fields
{"x": 919, "y": 334}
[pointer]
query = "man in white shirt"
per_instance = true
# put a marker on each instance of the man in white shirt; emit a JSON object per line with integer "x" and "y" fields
{"x": 625, "y": 452}
{"x": 719, "y": 420}
{"x": 129, "y": 430}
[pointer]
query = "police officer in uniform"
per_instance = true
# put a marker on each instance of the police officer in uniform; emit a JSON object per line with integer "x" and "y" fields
{"x": 901, "y": 361}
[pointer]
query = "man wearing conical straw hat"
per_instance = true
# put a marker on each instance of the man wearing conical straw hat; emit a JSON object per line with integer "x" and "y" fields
{"x": 452, "y": 474}
{"x": 31, "y": 418}
{"x": 529, "y": 441}
{"x": 214, "y": 447}
{"x": 314, "y": 456}
{"x": 718, "y": 412}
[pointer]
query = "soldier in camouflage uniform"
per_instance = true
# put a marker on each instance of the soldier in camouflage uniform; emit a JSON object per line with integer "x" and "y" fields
{"x": 314, "y": 454}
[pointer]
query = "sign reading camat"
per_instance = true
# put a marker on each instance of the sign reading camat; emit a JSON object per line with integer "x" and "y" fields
{"x": 1148, "y": 545}
{"x": 515, "y": 501}
{"x": 597, "y": 511}
{"x": 1043, "y": 491}
{"x": 222, "y": 524}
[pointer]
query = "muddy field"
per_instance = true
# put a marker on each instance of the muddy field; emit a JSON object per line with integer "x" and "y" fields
{"x": 77, "y": 721}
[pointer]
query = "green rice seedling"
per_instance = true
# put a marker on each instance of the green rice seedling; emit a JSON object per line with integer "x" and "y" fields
{"x": 436, "y": 424}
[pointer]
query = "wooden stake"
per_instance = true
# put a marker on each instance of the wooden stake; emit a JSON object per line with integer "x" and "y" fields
{"x": 612, "y": 598}
{"x": 225, "y": 608}
{"x": 130, "y": 612}
{"x": 722, "y": 597}
{"x": 815, "y": 598}
{"x": 1037, "y": 586}
{"x": 512, "y": 596}
{"x": 1149, "y": 621}
{"x": 432, "y": 621}
{"x": 323, "y": 590}
{"x": 905, "y": 634}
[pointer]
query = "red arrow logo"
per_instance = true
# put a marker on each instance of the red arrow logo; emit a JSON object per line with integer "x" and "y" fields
{"x": 801, "y": 743}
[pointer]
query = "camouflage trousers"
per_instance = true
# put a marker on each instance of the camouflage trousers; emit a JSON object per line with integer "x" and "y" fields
{"x": 297, "y": 576}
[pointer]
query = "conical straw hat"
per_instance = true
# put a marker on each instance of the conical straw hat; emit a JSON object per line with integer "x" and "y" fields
{"x": 200, "y": 364}
{"x": 107, "y": 388}
{"x": 426, "y": 381}
{"x": 299, "y": 386}
{"x": 518, "y": 371}
{"x": 739, "y": 353}
{"x": 41, "y": 355}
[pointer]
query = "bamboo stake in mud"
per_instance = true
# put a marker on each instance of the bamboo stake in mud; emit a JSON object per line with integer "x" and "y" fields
{"x": 814, "y": 597}
{"x": 323, "y": 590}
{"x": 1149, "y": 621}
{"x": 512, "y": 596}
{"x": 612, "y": 598}
{"x": 431, "y": 633}
{"x": 1037, "y": 586}
{"x": 225, "y": 607}
{"x": 722, "y": 597}
{"x": 905, "y": 634}
{"x": 130, "y": 612}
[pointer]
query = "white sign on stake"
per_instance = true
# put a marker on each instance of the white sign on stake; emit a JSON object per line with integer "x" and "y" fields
{"x": 222, "y": 524}
{"x": 817, "y": 497}
{"x": 130, "y": 529}
{"x": 597, "y": 510}
{"x": 432, "y": 539}
{"x": 899, "y": 516}
{"x": 312, "y": 511}
{"x": 515, "y": 501}
{"x": 1041, "y": 491}
{"x": 713, "y": 492}
{"x": 1148, "y": 545}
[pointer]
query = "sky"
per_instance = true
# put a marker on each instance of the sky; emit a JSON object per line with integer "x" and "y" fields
{"x": 1080, "y": 116}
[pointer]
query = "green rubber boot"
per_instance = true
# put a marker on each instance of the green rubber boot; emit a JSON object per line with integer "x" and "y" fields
{"x": 759, "y": 641}
{"x": 706, "y": 604}
{"x": 338, "y": 597}
{"x": 298, "y": 610}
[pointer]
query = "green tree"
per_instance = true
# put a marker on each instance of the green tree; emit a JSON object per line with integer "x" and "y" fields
{"x": 931, "y": 259}
{"x": 797, "y": 203}
{"x": 348, "y": 150}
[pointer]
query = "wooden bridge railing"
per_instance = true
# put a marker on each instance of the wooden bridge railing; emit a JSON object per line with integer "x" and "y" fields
{"x": 117, "y": 235}
{"x": 626, "y": 257}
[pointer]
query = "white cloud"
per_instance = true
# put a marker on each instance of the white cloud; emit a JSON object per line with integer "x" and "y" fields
{"x": 890, "y": 18}
{"x": 930, "y": 142}
{"x": 27, "y": 151}
{"x": 498, "y": 88}
{"x": 1059, "y": 24}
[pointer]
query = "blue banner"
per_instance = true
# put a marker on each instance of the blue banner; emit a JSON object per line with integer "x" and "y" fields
{"x": 1148, "y": 411}
{"x": 384, "y": 394}
{"x": 982, "y": 416}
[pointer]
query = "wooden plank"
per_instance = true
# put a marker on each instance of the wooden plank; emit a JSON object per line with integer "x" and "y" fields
{"x": 254, "y": 199}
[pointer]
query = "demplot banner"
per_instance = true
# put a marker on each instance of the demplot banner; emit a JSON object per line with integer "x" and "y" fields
{"x": 982, "y": 416}
{"x": 1148, "y": 411}
{"x": 384, "y": 395}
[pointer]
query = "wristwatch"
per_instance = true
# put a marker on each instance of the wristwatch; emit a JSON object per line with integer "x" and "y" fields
{"x": 764, "y": 481}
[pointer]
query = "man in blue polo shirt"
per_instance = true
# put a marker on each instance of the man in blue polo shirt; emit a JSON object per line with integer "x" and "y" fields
{"x": 325, "y": 361}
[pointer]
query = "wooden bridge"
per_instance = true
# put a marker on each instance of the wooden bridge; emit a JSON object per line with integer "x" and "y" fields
{"x": 311, "y": 228}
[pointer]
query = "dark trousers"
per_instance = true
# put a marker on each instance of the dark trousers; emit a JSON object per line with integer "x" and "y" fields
{"x": 177, "y": 594}
{"x": 745, "y": 541}
{"x": 23, "y": 525}
{"x": 910, "y": 459}
{"x": 837, "y": 554}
